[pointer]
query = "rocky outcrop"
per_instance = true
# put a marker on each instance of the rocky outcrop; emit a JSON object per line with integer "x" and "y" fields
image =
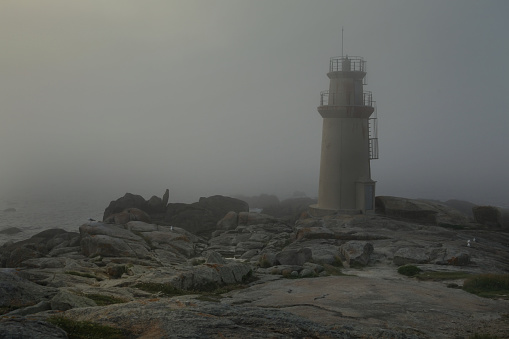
{"x": 356, "y": 253}
{"x": 294, "y": 257}
{"x": 41, "y": 244}
{"x": 201, "y": 217}
{"x": 180, "y": 318}
{"x": 464, "y": 207}
{"x": 15, "y": 291}
{"x": 129, "y": 214}
{"x": 255, "y": 234}
{"x": 65, "y": 300}
{"x": 162, "y": 274}
{"x": 410, "y": 255}
{"x": 289, "y": 209}
{"x": 488, "y": 215}
{"x": 421, "y": 211}
{"x": 18, "y": 327}
{"x": 127, "y": 201}
{"x": 139, "y": 240}
{"x": 166, "y": 197}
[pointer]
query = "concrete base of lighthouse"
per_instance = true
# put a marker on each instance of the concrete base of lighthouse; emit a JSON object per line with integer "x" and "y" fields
{"x": 318, "y": 212}
{"x": 364, "y": 201}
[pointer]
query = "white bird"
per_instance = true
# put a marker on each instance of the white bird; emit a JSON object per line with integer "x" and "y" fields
{"x": 468, "y": 242}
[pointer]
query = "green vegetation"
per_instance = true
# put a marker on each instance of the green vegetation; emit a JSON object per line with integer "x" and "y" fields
{"x": 84, "y": 275}
{"x": 452, "y": 226}
{"x": 103, "y": 300}
{"x": 483, "y": 336}
{"x": 166, "y": 290}
{"x": 12, "y": 307}
{"x": 337, "y": 261}
{"x": 264, "y": 262}
{"x": 332, "y": 270}
{"x": 87, "y": 329}
{"x": 488, "y": 285}
{"x": 409, "y": 270}
{"x": 437, "y": 276}
{"x": 196, "y": 262}
{"x": 210, "y": 292}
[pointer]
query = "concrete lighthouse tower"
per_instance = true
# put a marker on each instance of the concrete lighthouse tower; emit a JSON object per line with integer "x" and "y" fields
{"x": 349, "y": 141}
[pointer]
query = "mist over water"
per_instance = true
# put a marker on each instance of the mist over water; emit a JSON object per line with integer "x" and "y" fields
{"x": 99, "y": 99}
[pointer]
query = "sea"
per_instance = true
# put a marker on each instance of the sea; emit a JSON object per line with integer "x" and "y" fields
{"x": 32, "y": 216}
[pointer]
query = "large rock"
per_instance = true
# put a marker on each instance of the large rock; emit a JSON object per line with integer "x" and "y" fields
{"x": 252, "y": 218}
{"x": 127, "y": 201}
{"x": 487, "y": 215}
{"x": 201, "y": 217}
{"x": 18, "y": 327}
{"x": 14, "y": 254}
{"x": 290, "y": 209}
{"x": 165, "y": 245}
{"x": 200, "y": 277}
{"x": 356, "y": 253}
{"x": 112, "y": 241}
{"x": 129, "y": 214}
{"x": 294, "y": 257}
{"x": 166, "y": 197}
{"x": 405, "y": 209}
{"x": 174, "y": 318}
{"x": 229, "y": 222}
{"x": 410, "y": 255}
{"x": 15, "y": 291}
{"x": 421, "y": 211}
{"x": 255, "y": 233}
{"x": 155, "y": 204}
{"x": 65, "y": 300}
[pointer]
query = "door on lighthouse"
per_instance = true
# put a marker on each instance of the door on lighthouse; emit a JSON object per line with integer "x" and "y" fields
{"x": 369, "y": 191}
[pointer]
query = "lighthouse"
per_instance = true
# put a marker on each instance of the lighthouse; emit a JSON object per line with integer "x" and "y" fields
{"x": 349, "y": 141}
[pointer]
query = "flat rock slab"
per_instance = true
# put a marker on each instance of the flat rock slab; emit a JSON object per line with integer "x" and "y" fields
{"x": 381, "y": 299}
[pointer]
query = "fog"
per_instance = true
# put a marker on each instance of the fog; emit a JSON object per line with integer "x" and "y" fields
{"x": 99, "y": 98}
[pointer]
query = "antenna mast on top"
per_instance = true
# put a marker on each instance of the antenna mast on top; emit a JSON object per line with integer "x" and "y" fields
{"x": 342, "y": 42}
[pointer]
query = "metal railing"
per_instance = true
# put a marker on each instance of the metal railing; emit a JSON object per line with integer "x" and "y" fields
{"x": 346, "y": 63}
{"x": 373, "y": 134}
{"x": 373, "y": 149}
{"x": 326, "y": 99}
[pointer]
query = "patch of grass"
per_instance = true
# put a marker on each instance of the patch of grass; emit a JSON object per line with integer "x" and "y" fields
{"x": 210, "y": 298}
{"x": 166, "y": 290}
{"x": 409, "y": 270}
{"x": 337, "y": 261}
{"x": 453, "y": 286}
{"x": 103, "y": 300}
{"x": 87, "y": 329}
{"x": 82, "y": 274}
{"x": 13, "y": 307}
{"x": 264, "y": 262}
{"x": 196, "y": 262}
{"x": 288, "y": 275}
{"x": 452, "y": 226}
{"x": 209, "y": 292}
{"x": 437, "y": 276}
{"x": 483, "y": 336}
{"x": 488, "y": 285}
{"x": 332, "y": 270}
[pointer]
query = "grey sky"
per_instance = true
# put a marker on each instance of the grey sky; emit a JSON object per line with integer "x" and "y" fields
{"x": 219, "y": 97}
